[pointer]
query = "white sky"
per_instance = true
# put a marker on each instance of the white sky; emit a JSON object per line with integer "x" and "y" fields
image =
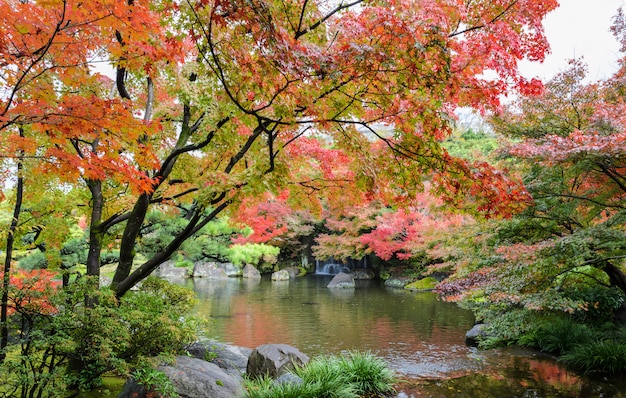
{"x": 579, "y": 28}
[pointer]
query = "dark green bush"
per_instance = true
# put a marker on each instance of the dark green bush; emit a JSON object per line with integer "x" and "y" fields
{"x": 601, "y": 302}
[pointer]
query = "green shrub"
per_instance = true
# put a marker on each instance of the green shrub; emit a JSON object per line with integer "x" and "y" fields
{"x": 156, "y": 318}
{"x": 253, "y": 253}
{"x": 506, "y": 324}
{"x": 83, "y": 332}
{"x": 603, "y": 356}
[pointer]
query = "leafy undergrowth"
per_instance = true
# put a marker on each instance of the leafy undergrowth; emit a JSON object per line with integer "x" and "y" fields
{"x": 591, "y": 348}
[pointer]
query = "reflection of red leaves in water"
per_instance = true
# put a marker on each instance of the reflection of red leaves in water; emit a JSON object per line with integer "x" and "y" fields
{"x": 552, "y": 373}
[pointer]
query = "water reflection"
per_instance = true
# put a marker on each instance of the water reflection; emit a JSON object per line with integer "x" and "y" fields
{"x": 419, "y": 336}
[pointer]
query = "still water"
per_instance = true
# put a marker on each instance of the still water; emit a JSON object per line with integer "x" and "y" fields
{"x": 420, "y": 337}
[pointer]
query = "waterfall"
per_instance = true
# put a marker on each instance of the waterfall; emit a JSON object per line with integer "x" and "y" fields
{"x": 330, "y": 267}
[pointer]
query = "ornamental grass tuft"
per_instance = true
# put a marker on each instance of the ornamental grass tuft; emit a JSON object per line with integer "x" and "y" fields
{"x": 351, "y": 375}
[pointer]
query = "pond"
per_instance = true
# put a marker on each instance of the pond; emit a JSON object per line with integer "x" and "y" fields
{"x": 420, "y": 337}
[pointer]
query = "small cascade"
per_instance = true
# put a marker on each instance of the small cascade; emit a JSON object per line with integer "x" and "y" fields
{"x": 330, "y": 267}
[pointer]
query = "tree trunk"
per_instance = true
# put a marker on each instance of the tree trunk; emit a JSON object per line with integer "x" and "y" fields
{"x": 95, "y": 233}
{"x": 19, "y": 191}
{"x": 617, "y": 278}
{"x": 127, "y": 246}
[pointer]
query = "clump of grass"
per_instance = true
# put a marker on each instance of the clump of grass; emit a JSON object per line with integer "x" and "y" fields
{"x": 321, "y": 385}
{"x": 602, "y": 356}
{"x": 351, "y": 375}
{"x": 368, "y": 373}
{"x": 558, "y": 336}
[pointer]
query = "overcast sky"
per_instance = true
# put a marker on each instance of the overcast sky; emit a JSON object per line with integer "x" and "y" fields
{"x": 580, "y": 28}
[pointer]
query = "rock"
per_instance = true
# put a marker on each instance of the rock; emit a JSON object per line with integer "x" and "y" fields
{"x": 105, "y": 281}
{"x": 363, "y": 274}
{"x": 425, "y": 284}
{"x": 232, "y": 359}
{"x": 342, "y": 281}
{"x": 195, "y": 378}
{"x": 132, "y": 389}
{"x": 473, "y": 336}
{"x": 398, "y": 281}
{"x": 169, "y": 270}
{"x": 208, "y": 270}
{"x": 288, "y": 378}
{"x": 231, "y": 269}
{"x": 294, "y": 272}
{"x": 281, "y": 275}
{"x": 192, "y": 378}
{"x": 250, "y": 271}
{"x": 274, "y": 360}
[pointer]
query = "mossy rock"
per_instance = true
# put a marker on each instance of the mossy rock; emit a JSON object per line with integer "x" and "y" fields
{"x": 428, "y": 283}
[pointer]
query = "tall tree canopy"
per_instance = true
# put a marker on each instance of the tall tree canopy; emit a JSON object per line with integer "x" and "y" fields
{"x": 216, "y": 100}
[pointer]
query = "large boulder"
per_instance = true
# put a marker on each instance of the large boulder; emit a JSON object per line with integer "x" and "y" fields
{"x": 250, "y": 271}
{"x": 209, "y": 270}
{"x": 342, "y": 281}
{"x": 232, "y": 359}
{"x": 281, "y": 275}
{"x": 169, "y": 270}
{"x": 192, "y": 378}
{"x": 274, "y": 360}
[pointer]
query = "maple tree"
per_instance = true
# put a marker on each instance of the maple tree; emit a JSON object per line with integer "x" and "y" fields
{"x": 565, "y": 252}
{"x": 217, "y": 100}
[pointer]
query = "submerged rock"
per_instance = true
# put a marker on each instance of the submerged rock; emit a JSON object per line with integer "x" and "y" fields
{"x": 281, "y": 275}
{"x": 398, "y": 281}
{"x": 363, "y": 274}
{"x": 342, "y": 281}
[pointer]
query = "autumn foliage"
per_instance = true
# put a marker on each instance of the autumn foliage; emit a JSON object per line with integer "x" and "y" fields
{"x": 213, "y": 102}
{"x": 30, "y": 292}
